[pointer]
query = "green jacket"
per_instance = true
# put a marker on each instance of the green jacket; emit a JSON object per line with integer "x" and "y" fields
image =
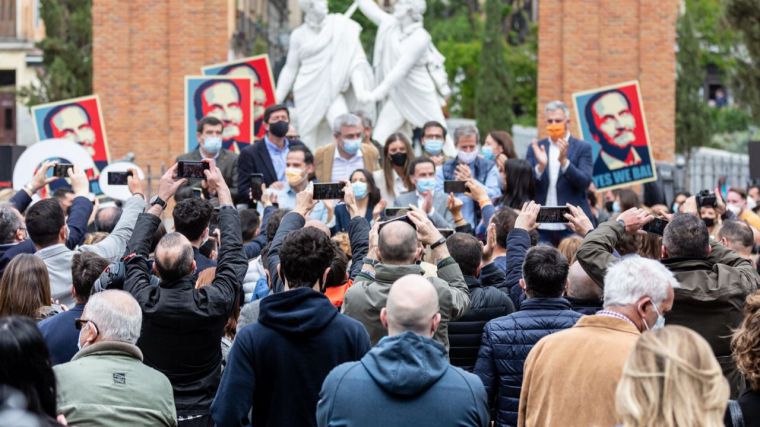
{"x": 710, "y": 298}
{"x": 106, "y": 384}
{"x": 364, "y": 300}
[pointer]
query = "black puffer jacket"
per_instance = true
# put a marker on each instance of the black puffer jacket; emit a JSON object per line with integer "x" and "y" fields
{"x": 506, "y": 343}
{"x": 487, "y": 301}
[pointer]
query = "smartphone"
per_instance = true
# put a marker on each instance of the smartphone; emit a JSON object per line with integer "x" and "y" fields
{"x": 393, "y": 212}
{"x": 403, "y": 218}
{"x": 256, "y": 180}
{"x": 118, "y": 178}
{"x": 191, "y": 169}
{"x": 655, "y": 226}
{"x": 552, "y": 214}
{"x": 61, "y": 170}
{"x": 331, "y": 190}
{"x": 446, "y": 232}
{"x": 454, "y": 187}
{"x": 197, "y": 192}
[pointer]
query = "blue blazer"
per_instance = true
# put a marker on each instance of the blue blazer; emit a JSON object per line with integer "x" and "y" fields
{"x": 571, "y": 185}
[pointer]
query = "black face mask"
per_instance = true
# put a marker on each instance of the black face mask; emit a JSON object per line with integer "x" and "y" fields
{"x": 608, "y": 205}
{"x": 398, "y": 159}
{"x": 279, "y": 129}
{"x": 709, "y": 222}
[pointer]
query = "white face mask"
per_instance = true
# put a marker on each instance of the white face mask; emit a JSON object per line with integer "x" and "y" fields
{"x": 467, "y": 157}
{"x": 736, "y": 209}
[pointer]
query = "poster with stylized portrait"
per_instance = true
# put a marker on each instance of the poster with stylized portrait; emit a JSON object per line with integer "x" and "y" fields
{"x": 227, "y": 99}
{"x": 78, "y": 120}
{"x": 612, "y": 119}
{"x": 260, "y": 72}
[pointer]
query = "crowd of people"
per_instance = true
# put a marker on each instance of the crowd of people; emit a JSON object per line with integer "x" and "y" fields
{"x": 241, "y": 299}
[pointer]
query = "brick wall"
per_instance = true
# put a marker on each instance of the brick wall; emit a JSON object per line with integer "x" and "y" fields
{"x": 585, "y": 44}
{"x": 141, "y": 52}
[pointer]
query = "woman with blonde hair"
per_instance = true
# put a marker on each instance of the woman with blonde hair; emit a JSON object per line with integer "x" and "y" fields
{"x": 670, "y": 379}
{"x": 746, "y": 347}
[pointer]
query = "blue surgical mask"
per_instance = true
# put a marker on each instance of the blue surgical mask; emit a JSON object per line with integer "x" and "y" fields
{"x": 433, "y": 146}
{"x": 360, "y": 189}
{"x": 616, "y": 206}
{"x": 467, "y": 156}
{"x": 675, "y": 207}
{"x": 351, "y": 146}
{"x": 487, "y": 152}
{"x": 659, "y": 323}
{"x": 425, "y": 184}
{"x": 212, "y": 144}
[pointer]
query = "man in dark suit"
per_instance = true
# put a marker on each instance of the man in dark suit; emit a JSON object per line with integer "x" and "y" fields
{"x": 562, "y": 167}
{"x": 209, "y": 135}
{"x": 267, "y": 156}
{"x": 613, "y": 126}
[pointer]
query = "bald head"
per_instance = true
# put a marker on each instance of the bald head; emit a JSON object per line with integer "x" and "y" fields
{"x": 174, "y": 257}
{"x": 397, "y": 243}
{"x": 580, "y": 285}
{"x": 412, "y": 306}
{"x": 319, "y": 225}
{"x": 106, "y": 218}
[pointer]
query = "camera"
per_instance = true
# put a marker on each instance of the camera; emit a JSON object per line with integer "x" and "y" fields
{"x": 706, "y": 198}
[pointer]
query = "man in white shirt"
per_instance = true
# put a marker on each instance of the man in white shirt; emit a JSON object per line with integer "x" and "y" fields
{"x": 562, "y": 166}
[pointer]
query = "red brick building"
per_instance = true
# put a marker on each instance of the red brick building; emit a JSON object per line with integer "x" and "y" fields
{"x": 584, "y": 44}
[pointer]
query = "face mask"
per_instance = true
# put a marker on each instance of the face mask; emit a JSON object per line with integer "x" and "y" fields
{"x": 487, "y": 152}
{"x": 709, "y": 221}
{"x": 351, "y": 146}
{"x": 279, "y": 129}
{"x": 433, "y": 146}
{"x": 360, "y": 189}
{"x": 556, "y": 130}
{"x": 659, "y": 323}
{"x": 616, "y": 206}
{"x": 294, "y": 176}
{"x": 425, "y": 184}
{"x": 735, "y": 209}
{"x": 467, "y": 157}
{"x": 675, "y": 207}
{"x": 398, "y": 159}
{"x": 212, "y": 144}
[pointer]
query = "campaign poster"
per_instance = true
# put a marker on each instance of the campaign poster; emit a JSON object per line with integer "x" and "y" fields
{"x": 79, "y": 120}
{"x": 612, "y": 119}
{"x": 260, "y": 72}
{"x": 225, "y": 98}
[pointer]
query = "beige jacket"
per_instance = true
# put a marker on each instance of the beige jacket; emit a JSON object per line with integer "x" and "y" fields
{"x": 323, "y": 160}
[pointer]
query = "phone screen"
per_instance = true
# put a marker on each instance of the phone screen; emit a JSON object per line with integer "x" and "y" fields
{"x": 446, "y": 232}
{"x": 256, "y": 180}
{"x": 552, "y": 214}
{"x": 61, "y": 170}
{"x": 454, "y": 187}
{"x": 655, "y": 226}
{"x": 118, "y": 178}
{"x": 393, "y": 212}
{"x": 327, "y": 191}
{"x": 403, "y": 218}
{"x": 191, "y": 169}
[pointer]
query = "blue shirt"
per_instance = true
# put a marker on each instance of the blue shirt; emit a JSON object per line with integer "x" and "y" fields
{"x": 61, "y": 336}
{"x": 278, "y": 156}
{"x": 468, "y": 205}
{"x": 286, "y": 199}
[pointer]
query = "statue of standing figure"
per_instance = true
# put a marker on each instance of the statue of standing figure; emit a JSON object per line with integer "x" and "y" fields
{"x": 325, "y": 67}
{"x": 412, "y": 82}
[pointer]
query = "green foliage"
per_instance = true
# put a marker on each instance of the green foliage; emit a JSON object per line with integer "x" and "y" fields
{"x": 715, "y": 36}
{"x": 493, "y": 94}
{"x": 692, "y": 126}
{"x": 67, "y": 52}
{"x": 744, "y": 16}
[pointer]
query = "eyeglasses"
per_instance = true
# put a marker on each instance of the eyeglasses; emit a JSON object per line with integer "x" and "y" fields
{"x": 79, "y": 323}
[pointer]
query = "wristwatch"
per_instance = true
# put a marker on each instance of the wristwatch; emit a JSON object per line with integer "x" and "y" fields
{"x": 438, "y": 242}
{"x": 155, "y": 200}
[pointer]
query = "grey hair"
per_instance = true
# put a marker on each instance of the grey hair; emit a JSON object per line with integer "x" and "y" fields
{"x": 116, "y": 314}
{"x": 557, "y": 105}
{"x": 345, "y": 120}
{"x": 466, "y": 130}
{"x": 366, "y": 120}
{"x": 635, "y": 277}
{"x": 9, "y": 224}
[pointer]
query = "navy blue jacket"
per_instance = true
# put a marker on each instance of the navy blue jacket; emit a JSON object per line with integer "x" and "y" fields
{"x": 518, "y": 243}
{"x": 255, "y": 159}
{"x": 405, "y": 380}
{"x": 505, "y": 345}
{"x": 79, "y": 214}
{"x": 61, "y": 336}
{"x": 573, "y": 183}
{"x": 277, "y": 365}
{"x": 343, "y": 218}
{"x": 489, "y": 299}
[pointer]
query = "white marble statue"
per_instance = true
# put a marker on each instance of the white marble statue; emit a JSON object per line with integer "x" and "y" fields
{"x": 412, "y": 83}
{"x": 326, "y": 66}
